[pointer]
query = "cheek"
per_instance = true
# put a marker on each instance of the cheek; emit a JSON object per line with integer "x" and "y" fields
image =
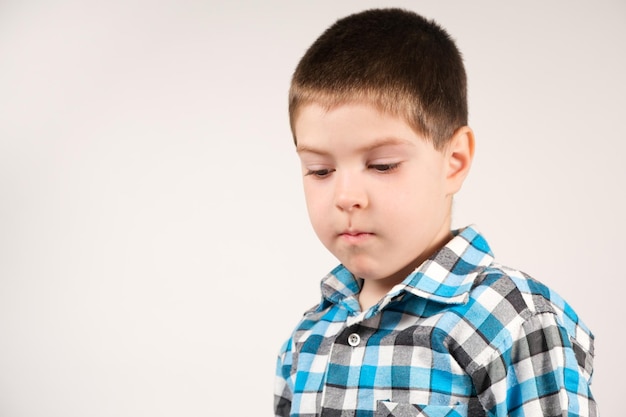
{"x": 412, "y": 203}
{"x": 316, "y": 205}
{"x": 311, "y": 196}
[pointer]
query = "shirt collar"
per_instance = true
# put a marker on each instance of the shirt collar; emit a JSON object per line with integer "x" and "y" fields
{"x": 449, "y": 274}
{"x": 446, "y": 277}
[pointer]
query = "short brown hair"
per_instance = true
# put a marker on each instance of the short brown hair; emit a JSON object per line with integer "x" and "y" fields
{"x": 399, "y": 61}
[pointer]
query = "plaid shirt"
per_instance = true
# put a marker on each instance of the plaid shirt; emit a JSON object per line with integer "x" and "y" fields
{"x": 460, "y": 336}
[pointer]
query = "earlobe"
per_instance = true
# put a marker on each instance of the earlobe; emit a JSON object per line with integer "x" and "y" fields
{"x": 460, "y": 154}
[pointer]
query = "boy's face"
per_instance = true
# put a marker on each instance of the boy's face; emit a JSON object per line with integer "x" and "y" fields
{"x": 377, "y": 193}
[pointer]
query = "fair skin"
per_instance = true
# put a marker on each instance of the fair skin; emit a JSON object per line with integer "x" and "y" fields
{"x": 378, "y": 194}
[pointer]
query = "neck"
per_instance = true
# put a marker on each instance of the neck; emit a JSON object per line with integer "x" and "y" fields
{"x": 372, "y": 292}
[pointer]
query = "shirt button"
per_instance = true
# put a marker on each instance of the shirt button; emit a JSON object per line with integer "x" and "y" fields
{"x": 354, "y": 340}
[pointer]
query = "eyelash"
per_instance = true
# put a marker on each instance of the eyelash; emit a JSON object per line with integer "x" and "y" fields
{"x": 380, "y": 168}
{"x": 320, "y": 173}
{"x": 384, "y": 168}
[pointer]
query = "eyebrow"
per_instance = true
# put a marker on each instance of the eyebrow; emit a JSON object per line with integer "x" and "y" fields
{"x": 379, "y": 143}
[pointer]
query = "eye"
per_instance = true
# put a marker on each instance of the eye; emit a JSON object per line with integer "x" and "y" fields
{"x": 319, "y": 173}
{"x": 384, "y": 168}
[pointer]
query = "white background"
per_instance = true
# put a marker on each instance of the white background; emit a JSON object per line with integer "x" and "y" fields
{"x": 154, "y": 245}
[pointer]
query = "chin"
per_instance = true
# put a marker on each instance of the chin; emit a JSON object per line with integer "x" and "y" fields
{"x": 360, "y": 271}
{"x": 363, "y": 267}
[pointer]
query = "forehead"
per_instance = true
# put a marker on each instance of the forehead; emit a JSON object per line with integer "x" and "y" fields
{"x": 357, "y": 124}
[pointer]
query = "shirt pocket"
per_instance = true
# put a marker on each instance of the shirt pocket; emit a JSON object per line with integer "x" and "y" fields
{"x": 391, "y": 409}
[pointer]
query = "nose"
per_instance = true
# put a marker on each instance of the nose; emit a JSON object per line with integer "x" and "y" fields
{"x": 350, "y": 192}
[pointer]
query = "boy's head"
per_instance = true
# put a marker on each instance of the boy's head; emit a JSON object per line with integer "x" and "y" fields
{"x": 378, "y": 114}
{"x": 394, "y": 59}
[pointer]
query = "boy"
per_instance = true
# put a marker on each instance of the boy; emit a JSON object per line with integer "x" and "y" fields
{"x": 418, "y": 319}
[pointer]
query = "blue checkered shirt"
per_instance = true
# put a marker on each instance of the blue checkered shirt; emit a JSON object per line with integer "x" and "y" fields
{"x": 460, "y": 336}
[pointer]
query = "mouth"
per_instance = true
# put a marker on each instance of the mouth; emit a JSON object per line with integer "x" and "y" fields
{"x": 353, "y": 236}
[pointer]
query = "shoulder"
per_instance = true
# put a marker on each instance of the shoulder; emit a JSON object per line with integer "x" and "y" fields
{"x": 512, "y": 289}
{"x": 320, "y": 320}
{"x": 526, "y": 295}
{"x": 517, "y": 301}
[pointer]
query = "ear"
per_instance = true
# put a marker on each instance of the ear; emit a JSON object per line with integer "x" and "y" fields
{"x": 459, "y": 156}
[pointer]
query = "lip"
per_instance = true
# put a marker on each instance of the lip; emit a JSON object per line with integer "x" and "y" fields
{"x": 355, "y": 236}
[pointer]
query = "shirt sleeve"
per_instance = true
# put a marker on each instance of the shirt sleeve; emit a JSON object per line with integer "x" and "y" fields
{"x": 536, "y": 373}
{"x": 282, "y": 390}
